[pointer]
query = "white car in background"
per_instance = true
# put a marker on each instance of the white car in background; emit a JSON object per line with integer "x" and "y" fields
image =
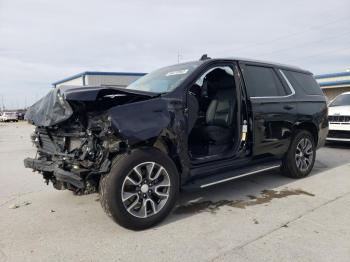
{"x": 8, "y": 117}
{"x": 339, "y": 118}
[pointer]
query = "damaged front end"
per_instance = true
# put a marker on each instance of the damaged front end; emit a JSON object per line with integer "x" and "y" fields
{"x": 75, "y": 137}
{"x": 70, "y": 156}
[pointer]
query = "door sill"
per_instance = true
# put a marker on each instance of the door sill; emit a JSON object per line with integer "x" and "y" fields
{"x": 204, "y": 182}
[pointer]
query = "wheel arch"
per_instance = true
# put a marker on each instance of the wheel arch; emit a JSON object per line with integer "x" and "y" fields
{"x": 166, "y": 146}
{"x": 311, "y": 127}
{"x": 169, "y": 148}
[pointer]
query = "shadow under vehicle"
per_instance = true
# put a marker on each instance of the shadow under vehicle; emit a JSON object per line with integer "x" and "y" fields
{"x": 187, "y": 126}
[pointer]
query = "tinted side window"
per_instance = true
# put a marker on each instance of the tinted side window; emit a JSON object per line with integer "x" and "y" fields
{"x": 262, "y": 81}
{"x": 304, "y": 82}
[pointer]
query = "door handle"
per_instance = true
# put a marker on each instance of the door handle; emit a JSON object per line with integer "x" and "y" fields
{"x": 288, "y": 107}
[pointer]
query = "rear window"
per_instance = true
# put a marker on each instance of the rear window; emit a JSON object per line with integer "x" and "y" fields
{"x": 305, "y": 82}
{"x": 262, "y": 82}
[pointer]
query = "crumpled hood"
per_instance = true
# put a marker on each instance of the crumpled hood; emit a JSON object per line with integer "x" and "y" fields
{"x": 55, "y": 108}
{"x": 49, "y": 110}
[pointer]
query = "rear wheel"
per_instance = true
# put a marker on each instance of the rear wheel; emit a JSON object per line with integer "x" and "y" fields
{"x": 301, "y": 155}
{"x": 141, "y": 188}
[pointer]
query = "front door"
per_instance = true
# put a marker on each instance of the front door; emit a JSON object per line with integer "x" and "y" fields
{"x": 212, "y": 113}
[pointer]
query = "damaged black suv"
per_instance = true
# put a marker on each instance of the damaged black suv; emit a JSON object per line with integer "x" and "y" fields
{"x": 186, "y": 126}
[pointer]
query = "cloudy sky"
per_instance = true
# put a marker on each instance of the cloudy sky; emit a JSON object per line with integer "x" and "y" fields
{"x": 44, "y": 41}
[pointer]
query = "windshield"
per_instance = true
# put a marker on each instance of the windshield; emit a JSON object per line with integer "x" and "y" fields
{"x": 165, "y": 79}
{"x": 341, "y": 100}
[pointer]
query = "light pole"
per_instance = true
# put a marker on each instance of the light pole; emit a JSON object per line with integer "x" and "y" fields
{"x": 179, "y": 56}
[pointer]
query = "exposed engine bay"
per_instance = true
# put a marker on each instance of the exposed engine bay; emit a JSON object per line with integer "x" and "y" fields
{"x": 79, "y": 131}
{"x": 71, "y": 155}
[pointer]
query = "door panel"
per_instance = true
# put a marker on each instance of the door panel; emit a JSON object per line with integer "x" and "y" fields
{"x": 272, "y": 126}
{"x": 272, "y": 109}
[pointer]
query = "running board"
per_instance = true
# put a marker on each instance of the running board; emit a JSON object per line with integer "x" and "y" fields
{"x": 212, "y": 180}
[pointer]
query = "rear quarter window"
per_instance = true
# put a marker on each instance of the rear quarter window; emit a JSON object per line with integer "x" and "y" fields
{"x": 303, "y": 82}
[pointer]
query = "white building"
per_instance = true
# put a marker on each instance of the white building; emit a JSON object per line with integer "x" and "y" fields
{"x": 121, "y": 79}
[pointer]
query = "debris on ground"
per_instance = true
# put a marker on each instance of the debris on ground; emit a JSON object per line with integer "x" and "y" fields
{"x": 13, "y": 206}
{"x": 52, "y": 211}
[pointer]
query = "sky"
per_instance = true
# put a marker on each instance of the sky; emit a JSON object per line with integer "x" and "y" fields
{"x": 44, "y": 41}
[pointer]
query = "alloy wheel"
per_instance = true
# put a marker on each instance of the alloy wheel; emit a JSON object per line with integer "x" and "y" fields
{"x": 304, "y": 154}
{"x": 145, "y": 189}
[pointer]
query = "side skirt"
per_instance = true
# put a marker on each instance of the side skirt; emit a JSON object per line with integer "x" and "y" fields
{"x": 212, "y": 180}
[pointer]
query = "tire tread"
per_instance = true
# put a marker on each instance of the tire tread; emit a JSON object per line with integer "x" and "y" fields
{"x": 288, "y": 167}
{"x": 109, "y": 184}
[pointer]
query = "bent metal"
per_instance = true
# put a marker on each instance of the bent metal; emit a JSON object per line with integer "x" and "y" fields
{"x": 183, "y": 127}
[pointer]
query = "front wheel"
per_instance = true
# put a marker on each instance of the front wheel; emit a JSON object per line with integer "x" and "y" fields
{"x": 301, "y": 155}
{"x": 141, "y": 188}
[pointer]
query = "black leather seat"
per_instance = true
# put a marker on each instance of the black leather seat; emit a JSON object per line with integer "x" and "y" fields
{"x": 220, "y": 114}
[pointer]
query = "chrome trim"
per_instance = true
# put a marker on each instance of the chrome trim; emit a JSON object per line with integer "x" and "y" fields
{"x": 338, "y": 139}
{"x": 236, "y": 177}
{"x": 289, "y": 85}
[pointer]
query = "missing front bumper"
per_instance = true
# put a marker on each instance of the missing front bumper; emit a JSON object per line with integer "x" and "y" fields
{"x": 60, "y": 174}
{"x": 39, "y": 165}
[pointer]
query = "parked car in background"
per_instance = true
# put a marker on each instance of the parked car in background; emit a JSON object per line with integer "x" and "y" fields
{"x": 339, "y": 118}
{"x": 21, "y": 113}
{"x": 8, "y": 117}
{"x": 186, "y": 126}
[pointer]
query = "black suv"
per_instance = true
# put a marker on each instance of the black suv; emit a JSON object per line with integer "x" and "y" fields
{"x": 186, "y": 126}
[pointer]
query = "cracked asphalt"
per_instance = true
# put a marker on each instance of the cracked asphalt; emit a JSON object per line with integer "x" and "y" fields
{"x": 264, "y": 217}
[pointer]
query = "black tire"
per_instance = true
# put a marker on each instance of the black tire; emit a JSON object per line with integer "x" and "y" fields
{"x": 112, "y": 186}
{"x": 290, "y": 163}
